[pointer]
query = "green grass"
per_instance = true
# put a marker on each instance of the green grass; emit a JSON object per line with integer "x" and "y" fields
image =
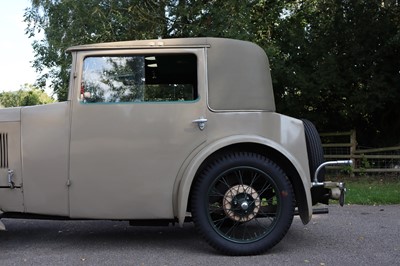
{"x": 372, "y": 190}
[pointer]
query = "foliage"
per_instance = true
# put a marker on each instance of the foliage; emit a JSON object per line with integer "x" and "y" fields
{"x": 334, "y": 62}
{"x": 24, "y": 97}
{"x": 68, "y": 23}
{"x": 345, "y": 71}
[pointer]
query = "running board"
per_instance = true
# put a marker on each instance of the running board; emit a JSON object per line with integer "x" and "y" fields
{"x": 2, "y": 226}
{"x": 315, "y": 211}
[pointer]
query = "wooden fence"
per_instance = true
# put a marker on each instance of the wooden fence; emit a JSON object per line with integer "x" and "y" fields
{"x": 343, "y": 145}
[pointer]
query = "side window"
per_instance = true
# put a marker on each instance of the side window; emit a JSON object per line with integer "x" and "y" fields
{"x": 139, "y": 78}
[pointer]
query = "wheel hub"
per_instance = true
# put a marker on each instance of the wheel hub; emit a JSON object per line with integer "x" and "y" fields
{"x": 241, "y": 203}
{"x": 244, "y": 205}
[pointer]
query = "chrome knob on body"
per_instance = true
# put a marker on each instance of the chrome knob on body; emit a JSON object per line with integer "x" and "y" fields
{"x": 201, "y": 122}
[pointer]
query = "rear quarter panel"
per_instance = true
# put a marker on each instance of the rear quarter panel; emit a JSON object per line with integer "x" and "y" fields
{"x": 282, "y": 133}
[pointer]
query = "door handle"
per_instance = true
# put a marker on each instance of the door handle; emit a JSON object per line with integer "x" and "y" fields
{"x": 201, "y": 122}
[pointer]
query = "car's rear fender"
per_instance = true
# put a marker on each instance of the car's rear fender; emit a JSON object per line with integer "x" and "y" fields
{"x": 297, "y": 173}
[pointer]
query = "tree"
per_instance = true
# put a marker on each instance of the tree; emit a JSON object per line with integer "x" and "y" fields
{"x": 334, "y": 62}
{"x": 342, "y": 55}
{"x": 68, "y": 23}
{"x": 26, "y": 96}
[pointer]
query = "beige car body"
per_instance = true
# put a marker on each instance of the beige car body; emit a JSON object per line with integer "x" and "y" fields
{"x": 138, "y": 161}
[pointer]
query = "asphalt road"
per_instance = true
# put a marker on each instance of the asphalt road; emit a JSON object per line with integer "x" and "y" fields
{"x": 352, "y": 235}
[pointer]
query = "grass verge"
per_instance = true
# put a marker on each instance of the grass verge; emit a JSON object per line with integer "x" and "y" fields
{"x": 372, "y": 190}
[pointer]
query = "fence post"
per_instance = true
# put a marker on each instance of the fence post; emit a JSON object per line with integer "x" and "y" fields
{"x": 353, "y": 147}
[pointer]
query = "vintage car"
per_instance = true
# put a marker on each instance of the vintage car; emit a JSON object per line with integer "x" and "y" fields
{"x": 165, "y": 131}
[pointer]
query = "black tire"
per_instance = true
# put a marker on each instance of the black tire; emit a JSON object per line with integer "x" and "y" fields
{"x": 242, "y": 204}
{"x": 315, "y": 158}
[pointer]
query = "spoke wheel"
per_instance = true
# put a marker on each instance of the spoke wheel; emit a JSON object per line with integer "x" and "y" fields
{"x": 242, "y": 204}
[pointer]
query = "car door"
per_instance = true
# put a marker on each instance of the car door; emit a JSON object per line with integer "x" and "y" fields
{"x": 132, "y": 128}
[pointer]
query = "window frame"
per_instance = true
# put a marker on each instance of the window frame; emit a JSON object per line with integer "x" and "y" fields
{"x": 199, "y": 54}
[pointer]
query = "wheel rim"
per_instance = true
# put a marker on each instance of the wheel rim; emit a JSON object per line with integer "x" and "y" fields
{"x": 243, "y": 204}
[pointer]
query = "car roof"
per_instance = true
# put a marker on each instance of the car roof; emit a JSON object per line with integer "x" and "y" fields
{"x": 238, "y": 72}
